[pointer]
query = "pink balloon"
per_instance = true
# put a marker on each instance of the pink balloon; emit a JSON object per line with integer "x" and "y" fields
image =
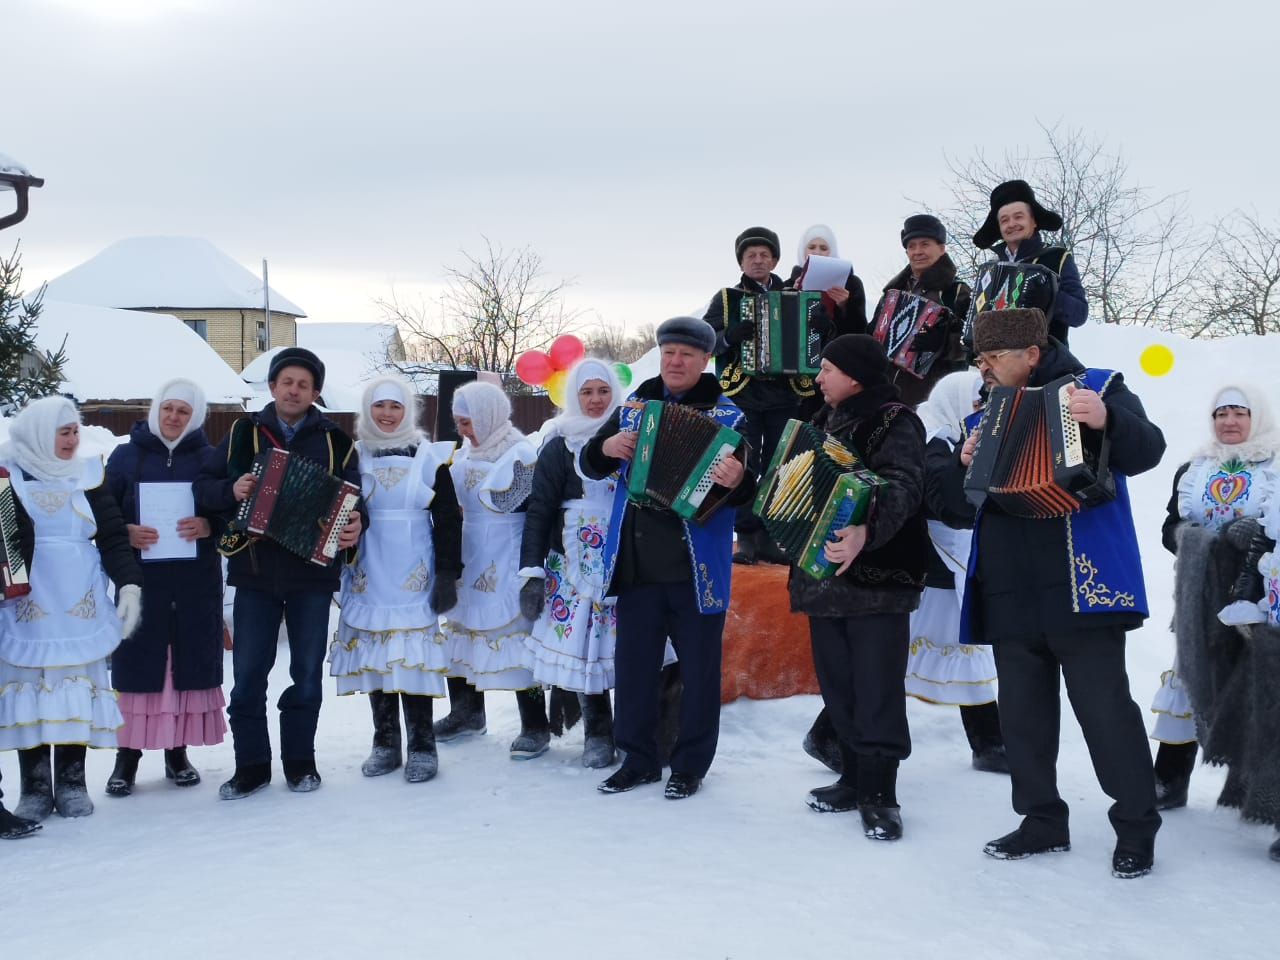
{"x": 534, "y": 367}
{"x": 566, "y": 351}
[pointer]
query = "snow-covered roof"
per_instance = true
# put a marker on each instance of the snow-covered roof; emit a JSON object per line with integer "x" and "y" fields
{"x": 127, "y": 354}
{"x": 174, "y": 273}
{"x": 11, "y": 166}
{"x": 364, "y": 338}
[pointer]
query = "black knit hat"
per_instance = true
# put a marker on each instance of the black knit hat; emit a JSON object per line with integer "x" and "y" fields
{"x": 1013, "y": 191}
{"x": 1010, "y": 330}
{"x": 688, "y": 330}
{"x": 923, "y": 225}
{"x": 297, "y": 357}
{"x": 860, "y": 357}
{"x": 756, "y": 237}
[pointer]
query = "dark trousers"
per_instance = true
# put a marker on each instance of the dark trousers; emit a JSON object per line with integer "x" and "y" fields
{"x": 1092, "y": 663}
{"x": 257, "y": 618}
{"x": 647, "y": 615}
{"x": 860, "y": 662}
{"x": 762, "y": 430}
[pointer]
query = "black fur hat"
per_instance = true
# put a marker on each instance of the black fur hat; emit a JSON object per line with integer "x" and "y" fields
{"x": 923, "y": 225}
{"x": 1013, "y": 191}
{"x": 756, "y": 237}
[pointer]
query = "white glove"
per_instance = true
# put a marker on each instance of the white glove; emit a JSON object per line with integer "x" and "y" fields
{"x": 129, "y": 606}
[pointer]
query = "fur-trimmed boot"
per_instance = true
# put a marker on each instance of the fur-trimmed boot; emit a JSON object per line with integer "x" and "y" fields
{"x": 422, "y": 763}
{"x": 878, "y": 797}
{"x": 70, "y": 793}
{"x": 385, "y": 755}
{"x": 598, "y": 749}
{"x": 535, "y": 728}
{"x": 120, "y": 783}
{"x": 466, "y": 716}
{"x": 36, "y": 767}
{"x": 1173, "y": 767}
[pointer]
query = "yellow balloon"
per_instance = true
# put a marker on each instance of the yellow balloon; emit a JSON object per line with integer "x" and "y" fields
{"x": 1156, "y": 360}
{"x": 555, "y": 387}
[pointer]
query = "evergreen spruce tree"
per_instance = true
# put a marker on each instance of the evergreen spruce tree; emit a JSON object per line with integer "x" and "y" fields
{"x": 26, "y": 371}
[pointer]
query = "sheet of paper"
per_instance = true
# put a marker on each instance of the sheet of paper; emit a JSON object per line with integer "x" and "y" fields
{"x": 162, "y": 505}
{"x": 823, "y": 273}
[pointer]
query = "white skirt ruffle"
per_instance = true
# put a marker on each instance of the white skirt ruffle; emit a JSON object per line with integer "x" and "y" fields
{"x": 389, "y": 661}
{"x": 496, "y": 659}
{"x": 1175, "y": 720}
{"x": 572, "y": 643}
{"x": 940, "y": 670}
{"x": 66, "y": 705}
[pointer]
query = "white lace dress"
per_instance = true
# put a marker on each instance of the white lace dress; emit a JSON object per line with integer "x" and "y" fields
{"x": 388, "y": 637}
{"x": 54, "y": 682}
{"x": 485, "y": 633}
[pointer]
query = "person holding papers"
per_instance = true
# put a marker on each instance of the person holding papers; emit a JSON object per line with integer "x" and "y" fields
{"x": 169, "y": 676}
{"x": 846, "y": 303}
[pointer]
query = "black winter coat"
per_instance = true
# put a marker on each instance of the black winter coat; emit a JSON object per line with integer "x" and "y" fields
{"x": 264, "y": 565}
{"x": 940, "y": 285}
{"x": 554, "y": 481}
{"x": 888, "y": 575}
{"x": 182, "y": 599}
{"x": 652, "y": 548}
{"x": 1023, "y": 575}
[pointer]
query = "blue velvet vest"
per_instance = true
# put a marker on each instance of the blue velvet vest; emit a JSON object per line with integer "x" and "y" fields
{"x": 1102, "y": 547}
{"x": 710, "y": 543}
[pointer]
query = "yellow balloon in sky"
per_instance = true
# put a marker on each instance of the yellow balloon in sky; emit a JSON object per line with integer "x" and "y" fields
{"x": 555, "y": 387}
{"x": 1156, "y": 360}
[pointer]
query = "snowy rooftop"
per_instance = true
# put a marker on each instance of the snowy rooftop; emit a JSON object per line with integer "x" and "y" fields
{"x": 126, "y": 354}
{"x": 11, "y": 166}
{"x": 176, "y": 273}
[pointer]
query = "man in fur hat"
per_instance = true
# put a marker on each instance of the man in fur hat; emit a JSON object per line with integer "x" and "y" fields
{"x": 1012, "y": 232}
{"x": 1056, "y": 596}
{"x": 670, "y": 575}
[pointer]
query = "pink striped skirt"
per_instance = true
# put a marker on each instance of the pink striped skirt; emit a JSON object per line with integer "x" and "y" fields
{"x": 172, "y": 718}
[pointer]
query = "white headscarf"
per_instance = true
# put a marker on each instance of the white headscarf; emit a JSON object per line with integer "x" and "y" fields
{"x": 817, "y": 230}
{"x": 371, "y": 436}
{"x": 1263, "y": 441}
{"x": 950, "y": 401}
{"x": 189, "y": 393}
{"x": 574, "y": 424}
{"x": 489, "y": 411}
{"x": 31, "y": 439}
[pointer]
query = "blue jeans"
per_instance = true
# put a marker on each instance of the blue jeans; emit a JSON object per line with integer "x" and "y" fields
{"x": 257, "y": 626}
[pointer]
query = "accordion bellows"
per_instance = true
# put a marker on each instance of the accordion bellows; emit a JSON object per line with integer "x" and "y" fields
{"x": 298, "y": 504}
{"x": 1033, "y": 460}
{"x": 677, "y": 447}
{"x": 13, "y": 569}
{"x": 814, "y": 486}
{"x": 784, "y": 342}
{"x": 902, "y": 318}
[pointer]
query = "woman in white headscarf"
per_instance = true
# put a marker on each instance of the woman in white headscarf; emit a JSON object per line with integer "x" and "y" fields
{"x": 487, "y": 632}
{"x": 169, "y": 675}
{"x": 1221, "y": 494}
{"x": 403, "y": 578}
{"x": 848, "y": 304}
{"x": 54, "y": 641}
{"x": 565, "y": 527}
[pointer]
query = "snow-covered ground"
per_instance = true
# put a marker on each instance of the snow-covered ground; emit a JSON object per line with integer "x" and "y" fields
{"x": 496, "y": 858}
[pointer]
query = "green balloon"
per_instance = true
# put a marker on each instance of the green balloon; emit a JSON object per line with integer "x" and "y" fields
{"x": 624, "y": 373}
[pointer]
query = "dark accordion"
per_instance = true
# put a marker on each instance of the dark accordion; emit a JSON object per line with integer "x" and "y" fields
{"x": 1033, "y": 460}
{"x": 13, "y": 569}
{"x": 784, "y": 342}
{"x": 814, "y": 486}
{"x": 1004, "y": 285}
{"x": 905, "y": 320}
{"x": 298, "y": 504}
{"x": 677, "y": 447}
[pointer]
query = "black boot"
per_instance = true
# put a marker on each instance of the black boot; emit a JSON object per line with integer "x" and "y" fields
{"x": 179, "y": 769}
{"x": 982, "y": 727}
{"x": 13, "y": 827}
{"x": 822, "y": 743}
{"x": 385, "y": 755}
{"x": 70, "y": 793}
{"x": 466, "y": 712}
{"x": 670, "y": 693}
{"x": 36, "y": 802}
{"x": 535, "y": 729}
{"x": 841, "y": 796}
{"x": 746, "y": 547}
{"x": 598, "y": 749}
{"x": 120, "y": 783}
{"x": 246, "y": 781}
{"x": 878, "y": 797}
{"x": 564, "y": 711}
{"x": 422, "y": 763}
{"x": 1173, "y": 766}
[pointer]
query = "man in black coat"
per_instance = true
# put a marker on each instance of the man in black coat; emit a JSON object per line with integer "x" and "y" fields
{"x": 272, "y": 583}
{"x": 671, "y": 577}
{"x": 1056, "y": 596}
{"x": 1012, "y": 232}
{"x": 767, "y": 403}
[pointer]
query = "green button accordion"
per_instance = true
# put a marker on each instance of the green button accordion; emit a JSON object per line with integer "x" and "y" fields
{"x": 784, "y": 342}
{"x": 814, "y": 486}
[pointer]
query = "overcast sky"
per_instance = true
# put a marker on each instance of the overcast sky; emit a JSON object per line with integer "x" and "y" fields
{"x": 360, "y": 146}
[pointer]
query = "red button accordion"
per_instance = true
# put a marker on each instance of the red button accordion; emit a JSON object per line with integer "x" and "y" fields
{"x": 298, "y": 504}
{"x": 903, "y": 320}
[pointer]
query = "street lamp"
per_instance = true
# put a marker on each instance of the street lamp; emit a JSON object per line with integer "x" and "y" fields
{"x": 14, "y": 176}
